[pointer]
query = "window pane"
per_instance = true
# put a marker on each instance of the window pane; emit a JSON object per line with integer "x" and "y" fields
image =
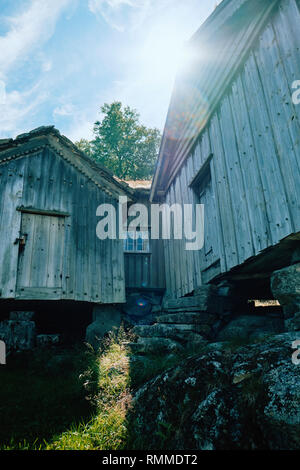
{"x": 139, "y": 244}
{"x": 137, "y": 241}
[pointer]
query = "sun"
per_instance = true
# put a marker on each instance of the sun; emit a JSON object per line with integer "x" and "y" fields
{"x": 165, "y": 52}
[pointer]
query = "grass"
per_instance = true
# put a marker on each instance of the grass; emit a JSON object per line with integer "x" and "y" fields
{"x": 41, "y": 395}
{"x": 74, "y": 399}
{"x": 107, "y": 430}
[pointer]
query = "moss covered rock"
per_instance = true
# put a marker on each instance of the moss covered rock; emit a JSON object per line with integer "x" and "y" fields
{"x": 228, "y": 398}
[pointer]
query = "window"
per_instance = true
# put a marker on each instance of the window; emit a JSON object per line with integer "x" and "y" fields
{"x": 204, "y": 185}
{"x": 202, "y": 180}
{"x": 137, "y": 241}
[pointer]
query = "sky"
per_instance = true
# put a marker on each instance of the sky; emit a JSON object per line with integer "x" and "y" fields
{"x": 61, "y": 60}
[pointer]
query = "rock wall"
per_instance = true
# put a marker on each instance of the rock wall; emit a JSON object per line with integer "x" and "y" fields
{"x": 105, "y": 319}
{"x": 285, "y": 285}
{"x": 213, "y": 313}
{"x": 248, "y": 398}
{"x": 19, "y": 333}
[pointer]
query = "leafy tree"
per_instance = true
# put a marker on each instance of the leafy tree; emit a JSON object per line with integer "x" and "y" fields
{"x": 85, "y": 146}
{"x": 122, "y": 144}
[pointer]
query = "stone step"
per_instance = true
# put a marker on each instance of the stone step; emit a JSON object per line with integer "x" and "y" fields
{"x": 205, "y": 295}
{"x": 156, "y": 309}
{"x": 185, "y": 303}
{"x": 169, "y": 311}
{"x": 188, "y": 318}
{"x": 207, "y": 298}
{"x": 183, "y": 333}
{"x": 155, "y": 346}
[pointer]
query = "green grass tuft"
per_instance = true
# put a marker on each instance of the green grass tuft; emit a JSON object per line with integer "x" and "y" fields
{"x": 75, "y": 399}
{"x": 107, "y": 430}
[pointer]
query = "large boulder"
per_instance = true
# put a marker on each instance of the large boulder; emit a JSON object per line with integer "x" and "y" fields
{"x": 246, "y": 398}
{"x": 250, "y": 327}
{"x": 293, "y": 324}
{"x": 155, "y": 346}
{"x": 106, "y": 318}
{"x": 18, "y": 335}
{"x": 285, "y": 285}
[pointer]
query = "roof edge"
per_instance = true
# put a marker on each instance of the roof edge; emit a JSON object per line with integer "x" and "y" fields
{"x": 223, "y": 13}
{"x": 53, "y": 135}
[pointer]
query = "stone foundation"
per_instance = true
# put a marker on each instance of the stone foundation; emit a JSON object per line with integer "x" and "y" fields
{"x": 106, "y": 318}
{"x": 19, "y": 333}
{"x": 47, "y": 340}
{"x": 285, "y": 285}
{"x": 187, "y": 322}
{"x": 212, "y": 314}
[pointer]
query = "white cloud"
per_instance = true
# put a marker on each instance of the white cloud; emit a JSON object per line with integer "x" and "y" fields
{"x": 47, "y": 66}
{"x": 2, "y": 92}
{"x": 16, "y": 108}
{"x": 28, "y": 30}
{"x": 81, "y": 127}
{"x": 75, "y": 122}
{"x": 140, "y": 65}
{"x": 64, "y": 110}
{"x": 146, "y": 79}
{"x": 33, "y": 26}
{"x": 121, "y": 14}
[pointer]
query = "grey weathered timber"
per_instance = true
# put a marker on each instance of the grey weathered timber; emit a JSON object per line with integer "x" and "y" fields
{"x": 145, "y": 270}
{"x": 49, "y": 250}
{"x": 237, "y": 150}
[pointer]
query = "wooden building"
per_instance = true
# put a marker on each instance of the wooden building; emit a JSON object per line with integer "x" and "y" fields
{"x": 49, "y": 193}
{"x": 144, "y": 259}
{"x": 49, "y": 250}
{"x": 232, "y": 142}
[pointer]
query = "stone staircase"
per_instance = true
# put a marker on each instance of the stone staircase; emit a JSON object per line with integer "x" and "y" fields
{"x": 187, "y": 322}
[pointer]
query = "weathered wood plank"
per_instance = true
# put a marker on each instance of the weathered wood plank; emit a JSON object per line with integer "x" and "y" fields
{"x": 33, "y": 210}
{"x": 10, "y": 227}
{"x": 223, "y": 194}
{"x": 276, "y": 91}
{"x": 182, "y": 254}
{"x": 188, "y": 253}
{"x": 192, "y": 199}
{"x": 38, "y": 293}
{"x": 170, "y": 244}
{"x": 236, "y": 185}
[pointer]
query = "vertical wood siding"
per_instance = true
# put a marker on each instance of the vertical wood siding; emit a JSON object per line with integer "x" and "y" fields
{"x": 88, "y": 269}
{"x": 146, "y": 270}
{"x": 11, "y": 189}
{"x": 254, "y": 137}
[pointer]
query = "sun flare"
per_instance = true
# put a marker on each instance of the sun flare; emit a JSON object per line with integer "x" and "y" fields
{"x": 165, "y": 52}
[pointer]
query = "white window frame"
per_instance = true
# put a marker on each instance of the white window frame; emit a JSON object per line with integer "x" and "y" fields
{"x": 133, "y": 248}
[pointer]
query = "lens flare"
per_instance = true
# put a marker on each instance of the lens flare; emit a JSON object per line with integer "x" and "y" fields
{"x": 142, "y": 303}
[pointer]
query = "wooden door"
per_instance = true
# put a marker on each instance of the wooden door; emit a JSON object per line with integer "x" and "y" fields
{"x": 40, "y": 261}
